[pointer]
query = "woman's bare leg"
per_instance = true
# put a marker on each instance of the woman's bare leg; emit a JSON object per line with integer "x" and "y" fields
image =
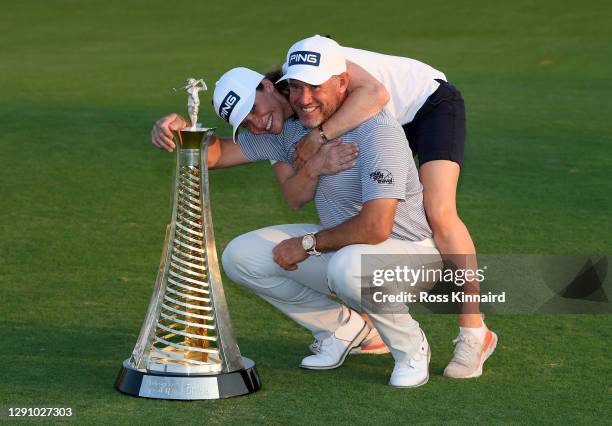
{"x": 439, "y": 179}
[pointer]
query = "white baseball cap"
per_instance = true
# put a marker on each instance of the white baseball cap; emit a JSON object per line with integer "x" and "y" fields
{"x": 235, "y": 95}
{"x": 314, "y": 60}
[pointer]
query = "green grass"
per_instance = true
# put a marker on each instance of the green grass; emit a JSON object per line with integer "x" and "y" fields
{"x": 85, "y": 199}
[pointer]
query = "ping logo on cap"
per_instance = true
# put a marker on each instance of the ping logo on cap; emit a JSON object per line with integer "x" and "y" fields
{"x": 228, "y": 104}
{"x": 304, "y": 57}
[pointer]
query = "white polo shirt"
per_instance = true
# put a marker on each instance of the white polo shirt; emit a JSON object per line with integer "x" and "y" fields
{"x": 408, "y": 81}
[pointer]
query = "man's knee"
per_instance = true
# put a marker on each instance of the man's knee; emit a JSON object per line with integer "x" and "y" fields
{"x": 246, "y": 256}
{"x": 232, "y": 258}
{"x": 248, "y": 261}
{"x": 344, "y": 274}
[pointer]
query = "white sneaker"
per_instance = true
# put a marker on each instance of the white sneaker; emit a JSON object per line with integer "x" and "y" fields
{"x": 315, "y": 347}
{"x": 336, "y": 347}
{"x": 415, "y": 371}
{"x": 371, "y": 345}
{"x": 470, "y": 355}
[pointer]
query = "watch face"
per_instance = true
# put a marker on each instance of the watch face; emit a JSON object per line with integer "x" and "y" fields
{"x": 307, "y": 242}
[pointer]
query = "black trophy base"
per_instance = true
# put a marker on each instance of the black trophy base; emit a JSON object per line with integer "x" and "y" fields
{"x": 148, "y": 384}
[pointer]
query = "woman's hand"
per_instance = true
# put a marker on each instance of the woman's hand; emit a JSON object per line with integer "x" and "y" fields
{"x": 332, "y": 158}
{"x": 306, "y": 148}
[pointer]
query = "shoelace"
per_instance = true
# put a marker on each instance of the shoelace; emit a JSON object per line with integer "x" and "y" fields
{"x": 316, "y": 346}
{"x": 463, "y": 343}
{"x": 409, "y": 363}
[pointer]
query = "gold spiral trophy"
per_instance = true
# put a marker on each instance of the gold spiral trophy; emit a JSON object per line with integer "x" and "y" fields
{"x": 186, "y": 348}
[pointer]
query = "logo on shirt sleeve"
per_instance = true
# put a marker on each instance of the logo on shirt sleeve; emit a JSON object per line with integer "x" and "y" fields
{"x": 304, "y": 57}
{"x": 382, "y": 176}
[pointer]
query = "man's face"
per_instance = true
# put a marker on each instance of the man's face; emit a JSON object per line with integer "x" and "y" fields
{"x": 315, "y": 104}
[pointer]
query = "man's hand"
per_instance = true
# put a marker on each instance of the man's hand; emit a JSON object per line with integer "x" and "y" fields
{"x": 306, "y": 148}
{"x": 161, "y": 135}
{"x": 332, "y": 158}
{"x": 289, "y": 253}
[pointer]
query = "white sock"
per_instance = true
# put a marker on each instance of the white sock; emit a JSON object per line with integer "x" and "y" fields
{"x": 477, "y": 332}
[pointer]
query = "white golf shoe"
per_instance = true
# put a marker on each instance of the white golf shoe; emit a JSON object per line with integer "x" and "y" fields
{"x": 333, "y": 350}
{"x": 371, "y": 345}
{"x": 413, "y": 372}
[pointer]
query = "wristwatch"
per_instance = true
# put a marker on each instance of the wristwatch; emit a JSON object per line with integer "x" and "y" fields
{"x": 309, "y": 244}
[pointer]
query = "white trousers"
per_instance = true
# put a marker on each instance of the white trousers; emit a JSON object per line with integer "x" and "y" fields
{"x": 303, "y": 294}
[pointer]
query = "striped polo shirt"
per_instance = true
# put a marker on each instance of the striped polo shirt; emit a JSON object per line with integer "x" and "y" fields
{"x": 384, "y": 169}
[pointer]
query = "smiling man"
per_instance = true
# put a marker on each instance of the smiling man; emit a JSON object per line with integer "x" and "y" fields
{"x": 373, "y": 208}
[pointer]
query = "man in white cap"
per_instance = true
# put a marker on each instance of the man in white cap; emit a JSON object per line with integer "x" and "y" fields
{"x": 373, "y": 208}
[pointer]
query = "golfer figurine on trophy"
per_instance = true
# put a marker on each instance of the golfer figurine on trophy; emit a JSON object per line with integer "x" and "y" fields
{"x": 186, "y": 348}
{"x": 193, "y": 103}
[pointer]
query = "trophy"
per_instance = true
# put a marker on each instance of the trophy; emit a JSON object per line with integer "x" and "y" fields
{"x": 186, "y": 348}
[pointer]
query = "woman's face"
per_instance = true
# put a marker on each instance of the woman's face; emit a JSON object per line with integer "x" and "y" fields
{"x": 268, "y": 112}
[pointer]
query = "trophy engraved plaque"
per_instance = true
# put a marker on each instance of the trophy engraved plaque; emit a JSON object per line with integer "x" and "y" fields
{"x": 186, "y": 348}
